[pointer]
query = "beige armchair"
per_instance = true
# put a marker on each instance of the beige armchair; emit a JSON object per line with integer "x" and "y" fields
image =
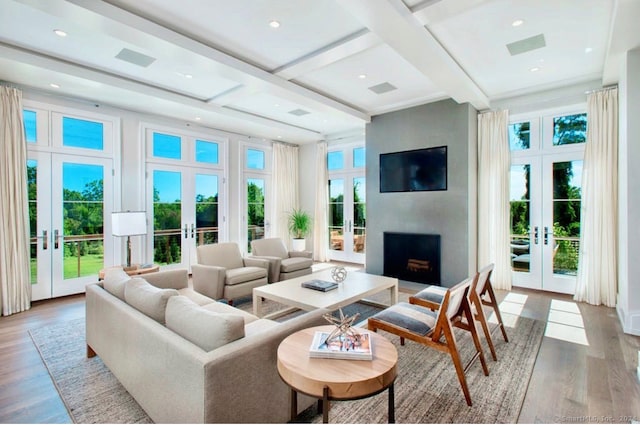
{"x": 282, "y": 263}
{"x": 222, "y": 272}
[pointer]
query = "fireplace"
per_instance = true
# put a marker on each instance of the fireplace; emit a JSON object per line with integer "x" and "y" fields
{"x": 412, "y": 256}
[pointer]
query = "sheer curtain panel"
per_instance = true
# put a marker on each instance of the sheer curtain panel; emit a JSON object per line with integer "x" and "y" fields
{"x": 15, "y": 283}
{"x": 494, "y": 162}
{"x": 320, "y": 215}
{"x": 285, "y": 189}
{"x": 598, "y": 258}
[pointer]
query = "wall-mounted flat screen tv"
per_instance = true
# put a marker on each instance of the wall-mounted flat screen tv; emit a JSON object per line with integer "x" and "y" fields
{"x": 414, "y": 171}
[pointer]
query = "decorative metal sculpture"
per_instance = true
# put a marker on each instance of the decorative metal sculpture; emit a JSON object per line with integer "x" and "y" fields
{"x": 338, "y": 274}
{"x": 343, "y": 326}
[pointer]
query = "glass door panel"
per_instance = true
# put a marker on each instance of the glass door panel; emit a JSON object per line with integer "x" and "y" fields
{"x": 207, "y": 202}
{"x": 359, "y": 215}
{"x": 167, "y": 217}
{"x": 336, "y": 215}
{"x": 255, "y": 210}
{"x": 78, "y": 245}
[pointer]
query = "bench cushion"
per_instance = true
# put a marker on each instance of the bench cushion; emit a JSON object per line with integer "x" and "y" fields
{"x": 148, "y": 299}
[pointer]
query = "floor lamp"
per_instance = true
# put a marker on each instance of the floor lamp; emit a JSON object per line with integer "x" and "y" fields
{"x": 129, "y": 223}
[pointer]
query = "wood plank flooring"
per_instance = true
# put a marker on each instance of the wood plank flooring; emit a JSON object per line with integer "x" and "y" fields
{"x": 571, "y": 383}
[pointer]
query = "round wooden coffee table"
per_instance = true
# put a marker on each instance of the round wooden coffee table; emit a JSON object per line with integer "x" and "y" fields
{"x": 333, "y": 379}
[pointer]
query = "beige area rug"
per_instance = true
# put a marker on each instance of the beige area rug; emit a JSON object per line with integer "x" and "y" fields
{"x": 427, "y": 389}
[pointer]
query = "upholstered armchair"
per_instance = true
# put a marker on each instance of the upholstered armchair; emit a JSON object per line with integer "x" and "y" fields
{"x": 222, "y": 272}
{"x": 283, "y": 264}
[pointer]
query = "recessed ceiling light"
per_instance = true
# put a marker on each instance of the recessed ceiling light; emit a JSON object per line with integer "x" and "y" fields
{"x": 534, "y": 69}
{"x": 274, "y": 24}
{"x": 362, "y": 76}
{"x": 279, "y": 137}
{"x": 197, "y": 118}
{"x": 60, "y": 33}
{"x": 517, "y": 23}
{"x": 188, "y": 76}
{"x": 588, "y": 50}
{"x": 277, "y": 105}
{"x": 55, "y": 86}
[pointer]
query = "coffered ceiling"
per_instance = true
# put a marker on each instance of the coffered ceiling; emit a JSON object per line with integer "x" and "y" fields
{"x": 323, "y": 71}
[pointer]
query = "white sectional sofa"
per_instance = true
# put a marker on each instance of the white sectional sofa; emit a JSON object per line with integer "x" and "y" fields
{"x": 210, "y": 362}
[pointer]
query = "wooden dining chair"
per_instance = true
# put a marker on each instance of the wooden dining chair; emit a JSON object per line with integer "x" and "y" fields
{"x": 431, "y": 297}
{"x": 435, "y": 328}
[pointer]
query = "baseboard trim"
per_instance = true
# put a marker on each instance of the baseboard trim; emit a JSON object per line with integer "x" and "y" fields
{"x": 630, "y": 320}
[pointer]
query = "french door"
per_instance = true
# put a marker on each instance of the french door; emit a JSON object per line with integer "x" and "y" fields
{"x": 70, "y": 198}
{"x": 545, "y": 202}
{"x": 347, "y": 218}
{"x": 257, "y": 222}
{"x": 185, "y": 206}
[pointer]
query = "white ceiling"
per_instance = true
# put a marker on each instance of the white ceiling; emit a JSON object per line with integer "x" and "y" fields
{"x": 247, "y": 77}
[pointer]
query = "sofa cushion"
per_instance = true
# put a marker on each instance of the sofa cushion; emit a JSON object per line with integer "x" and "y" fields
{"x": 204, "y": 328}
{"x": 245, "y": 274}
{"x": 114, "y": 281}
{"x": 148, "y": 299}
{"x": 196, "y": 297}
{"x": 218, "y": 307}
{"x": 296, "y": 263}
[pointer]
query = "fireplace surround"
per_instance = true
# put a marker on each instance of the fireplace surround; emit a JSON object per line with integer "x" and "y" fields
{"x": 413, "y": 257}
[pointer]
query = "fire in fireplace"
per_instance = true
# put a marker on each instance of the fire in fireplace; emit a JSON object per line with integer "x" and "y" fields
{"x": 414, "y": 257}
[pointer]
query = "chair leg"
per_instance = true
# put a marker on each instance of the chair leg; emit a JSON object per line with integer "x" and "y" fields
{"x": 474, "y": 335}
{"x": 482, "y": 318}
{"x": 455, "y": 356}
{"x": 494, "y": 303}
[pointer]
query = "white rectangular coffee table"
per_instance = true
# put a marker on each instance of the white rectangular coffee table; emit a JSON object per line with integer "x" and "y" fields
{"x": 356, "y": 287}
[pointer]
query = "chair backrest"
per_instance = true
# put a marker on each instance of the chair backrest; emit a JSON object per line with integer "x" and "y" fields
{"x": 226, "y": 254}
{"x": 451, "y": 307}
{"x": 484, "y": 276}
{"x": 272, "y": 247}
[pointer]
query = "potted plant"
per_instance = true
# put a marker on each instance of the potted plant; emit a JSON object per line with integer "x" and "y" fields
{"x": 299, "y": 227}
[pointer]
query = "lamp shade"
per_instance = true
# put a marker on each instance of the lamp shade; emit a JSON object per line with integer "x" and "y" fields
{"x": 129, "y": 223}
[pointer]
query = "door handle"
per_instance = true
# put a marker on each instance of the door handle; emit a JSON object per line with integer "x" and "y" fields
{"x": 546, "y": 235}
{"x": 193, "y": 231}
{"x": 349, "y": 226}
{"x": 45, "y": 242}
{"x": 186, "y": 231}
{"x": 56, "y": 238}
{"x": 535, "y": 235}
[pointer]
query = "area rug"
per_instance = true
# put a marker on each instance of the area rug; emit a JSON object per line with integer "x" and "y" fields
{"x": 427, "y": 389}
{"x": 87, "y": 387}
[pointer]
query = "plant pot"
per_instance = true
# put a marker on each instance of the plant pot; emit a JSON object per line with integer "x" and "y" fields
{"x": 298, "y": 244}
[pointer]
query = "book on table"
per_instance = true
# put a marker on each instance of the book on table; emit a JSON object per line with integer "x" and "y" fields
{"x": 319, "y": 285}
{"x": 345, "y": 346}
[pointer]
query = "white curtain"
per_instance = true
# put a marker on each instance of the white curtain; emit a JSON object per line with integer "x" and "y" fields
{"x": 494, "y": 163}
{"x": 285, "y": 189}
{"x": 15, "y": 284}
{"x": 598, "y": 258}
{"x": 320, "y": 216}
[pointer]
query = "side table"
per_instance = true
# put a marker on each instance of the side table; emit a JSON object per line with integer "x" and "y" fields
{"x": 134, "y": 270}
{"x": 336, "y": 379}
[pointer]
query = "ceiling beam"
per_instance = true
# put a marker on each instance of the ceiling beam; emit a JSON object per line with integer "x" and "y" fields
{"x": 395, "y": 25}
{"x": 57, "y": 65}
{"x": 267, "y": 81}
{"x": 622, "y": 38}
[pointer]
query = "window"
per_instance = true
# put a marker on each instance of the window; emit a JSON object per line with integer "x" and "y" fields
{"x": 167, "y": 146}
{"x": 335, "y": 160}
{"x": 206, "y": 152}
{"x": 519, "y": 136}
{"x": 255, "y": 159}
{"x": 85, "y": 134}
{"x": 569, "y": 129}
{"x": 30, "y": 126}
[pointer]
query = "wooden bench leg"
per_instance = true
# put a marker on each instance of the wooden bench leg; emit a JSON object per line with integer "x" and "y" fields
{"x": 90, "y": 352}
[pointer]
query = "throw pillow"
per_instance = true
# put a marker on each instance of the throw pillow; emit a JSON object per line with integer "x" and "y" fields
{"x": 148, "y": 299}
{"x": 114, "y": 281}
{"x": 206, "y": 329}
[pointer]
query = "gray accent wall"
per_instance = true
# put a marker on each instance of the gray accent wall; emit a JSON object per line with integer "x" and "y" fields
{"x": 450, "y": 213}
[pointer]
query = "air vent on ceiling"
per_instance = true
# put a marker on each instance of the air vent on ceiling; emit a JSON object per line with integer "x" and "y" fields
{"x": 382, "y": 88}
{"x": 135, "y": 58}
{"x": 299, "y": 112}
{"x": 526, "y": 44}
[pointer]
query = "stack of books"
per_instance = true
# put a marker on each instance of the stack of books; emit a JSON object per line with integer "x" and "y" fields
{"x": 319, "y": 285}
{"x": 345, "y": 347}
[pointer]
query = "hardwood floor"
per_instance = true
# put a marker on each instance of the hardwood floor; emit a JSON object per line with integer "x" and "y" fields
{"x": 571, "y": 383}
